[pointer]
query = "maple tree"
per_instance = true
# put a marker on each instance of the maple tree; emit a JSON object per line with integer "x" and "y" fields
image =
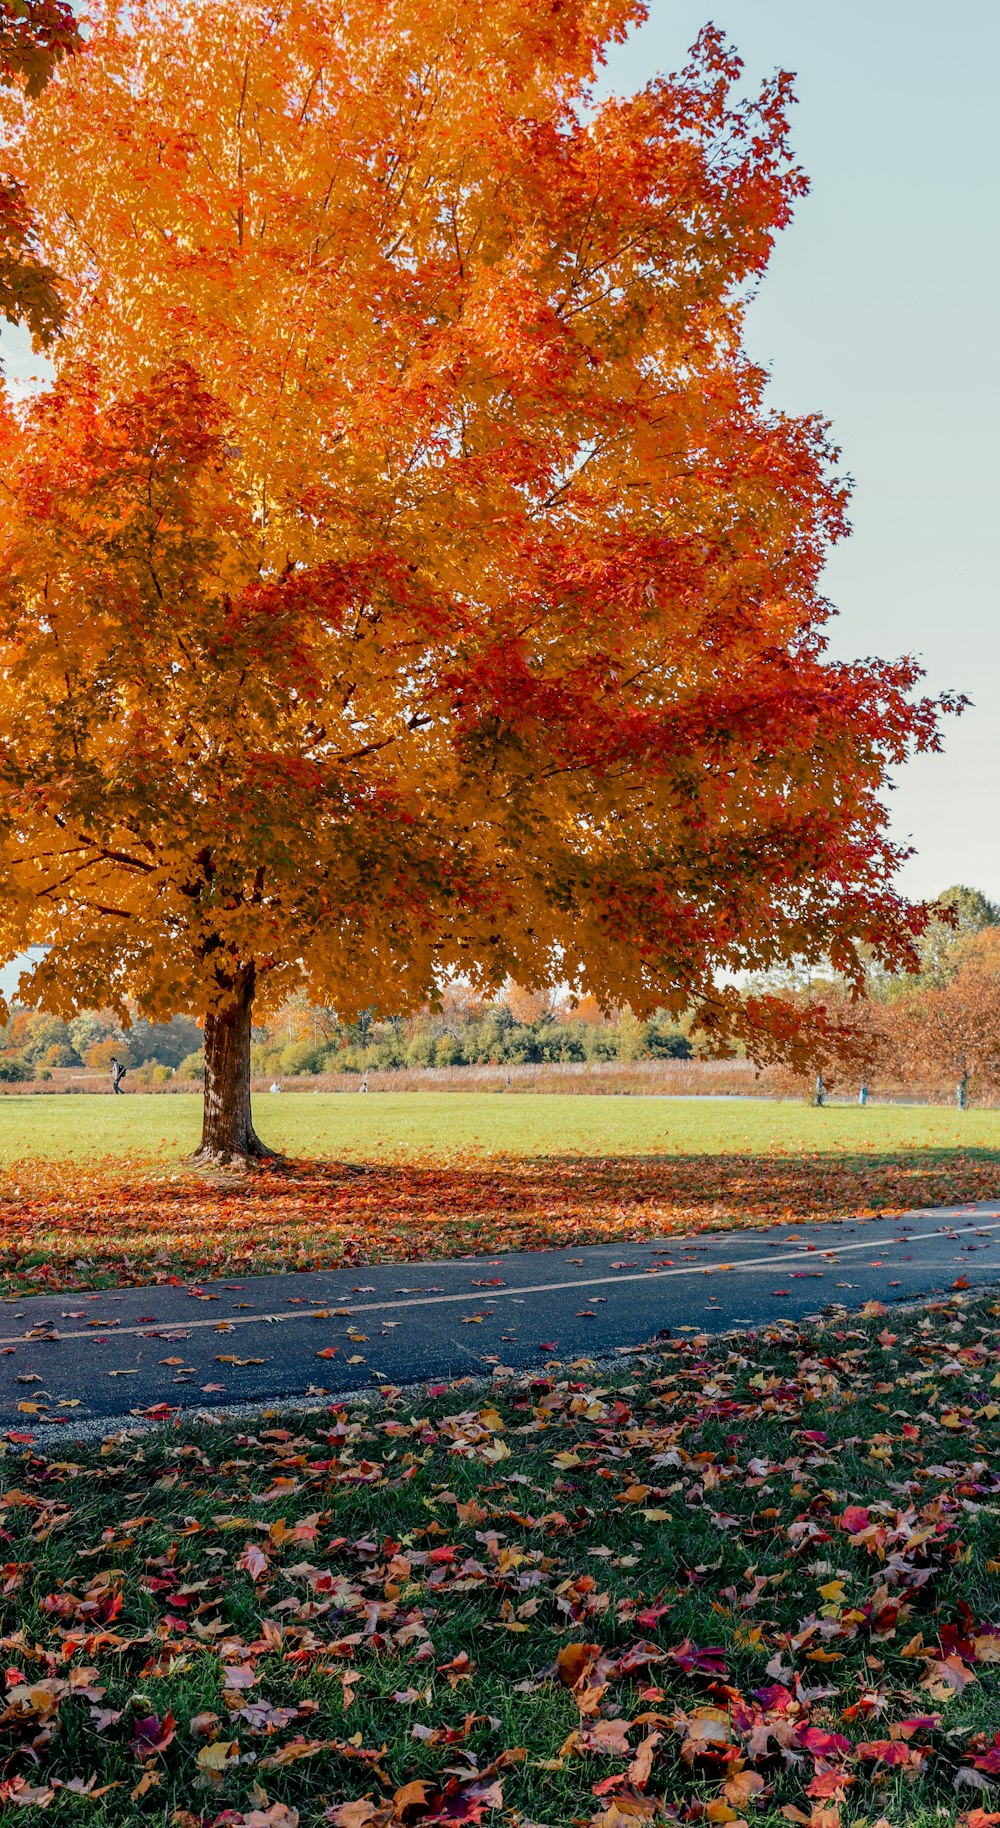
{"x": 34, "y": 36}
{"x": 405, "y": 575}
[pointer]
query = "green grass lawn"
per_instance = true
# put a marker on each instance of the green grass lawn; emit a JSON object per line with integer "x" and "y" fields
{"x": 396, "y": 1125}
{"x": 98, "y": 1190}
{"x": 749, "y": 1584}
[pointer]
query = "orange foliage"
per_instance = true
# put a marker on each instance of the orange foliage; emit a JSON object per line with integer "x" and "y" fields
{"x": 588, "y": 1010}
{"x": 34, "y": 36}
{"x": 459, "y": 1003}
{"x": 950, "y": 1032}
{"x": 528, "y": 1005}
{"x": 454, "y": 604}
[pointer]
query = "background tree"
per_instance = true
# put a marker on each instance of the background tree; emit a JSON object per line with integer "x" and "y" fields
{"x": 951, "y": 1027}
{"x": 529, "y": 1005}
{"x": 34, "y": 36}
{"x": 931, "y": 1027}
{"x": 405, "y": 575}
{"x": 958, "y": 915}
{"x": 942, "y": 946}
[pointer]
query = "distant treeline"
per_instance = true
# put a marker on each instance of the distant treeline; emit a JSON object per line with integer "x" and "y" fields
{"x": 519, "y": 1029}
{"x": 940, "y": 1023}
{"x": 35, "y": 1044}
{"x": 490, "y": 1035}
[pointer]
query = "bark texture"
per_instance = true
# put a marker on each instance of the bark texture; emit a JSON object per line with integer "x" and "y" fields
{"x": 228, "y": 1137}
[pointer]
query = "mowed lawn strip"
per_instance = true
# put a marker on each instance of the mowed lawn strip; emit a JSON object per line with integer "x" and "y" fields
{"x": 756, "y": 1582}
{"x": 399, "y": 1125}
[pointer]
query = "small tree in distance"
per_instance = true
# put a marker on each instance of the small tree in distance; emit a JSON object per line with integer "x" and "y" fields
{"x": 951, "y": 1029}
{"x": 404, "y": 575}
{"x": 944, "y": 947}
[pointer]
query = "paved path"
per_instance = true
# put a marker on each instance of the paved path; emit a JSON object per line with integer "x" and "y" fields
{"x": 200, "y": 1345}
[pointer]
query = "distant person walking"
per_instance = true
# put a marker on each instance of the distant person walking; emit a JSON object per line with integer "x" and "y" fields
{"x": 863, "y": 1094}
{"x": 820, "y": 1090}
{"x": 363, "y": 1087}
{"x": 962, "y": 1092}
{"x": 118, "y": 1072}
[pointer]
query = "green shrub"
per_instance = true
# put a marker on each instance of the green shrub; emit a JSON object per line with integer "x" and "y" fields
{"x": 560, "y": 1043}
{"x": 302, "y": 1057}
{"x": 630, "y": 1036}
{"x": 14, "y": 1070}
{"x": 192, "y": 1066}
{"x": 522, "y": 1045}
{"x": 666, "y": 1043}
{"x": 599, "y": 1043}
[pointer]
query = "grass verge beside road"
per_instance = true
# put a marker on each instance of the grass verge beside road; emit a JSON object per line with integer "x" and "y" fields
{"x": 66, "y": 1226}
{"x": 756, "y": 1583}
{"x": 95, "y": 1190}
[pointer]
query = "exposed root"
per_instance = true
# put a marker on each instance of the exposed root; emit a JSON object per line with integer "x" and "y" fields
{"x": 253, "y": 1154}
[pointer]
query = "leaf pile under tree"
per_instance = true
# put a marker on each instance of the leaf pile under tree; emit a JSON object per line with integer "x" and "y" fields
{"x": 86, "y": 1228}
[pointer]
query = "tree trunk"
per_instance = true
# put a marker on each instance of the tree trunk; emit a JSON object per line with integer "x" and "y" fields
{"x": 228, "y": 1137}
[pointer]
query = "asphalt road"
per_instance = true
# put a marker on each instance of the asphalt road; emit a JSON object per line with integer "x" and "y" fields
{"x": 74, "y": 1359}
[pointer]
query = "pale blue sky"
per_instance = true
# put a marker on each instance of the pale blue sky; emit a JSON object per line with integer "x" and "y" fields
{"x": 880, "y": 311}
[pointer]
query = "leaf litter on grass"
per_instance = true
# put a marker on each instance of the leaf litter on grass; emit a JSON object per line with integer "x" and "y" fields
{"x": 753, "y": 1581}
{"x": 69, "y": 1227}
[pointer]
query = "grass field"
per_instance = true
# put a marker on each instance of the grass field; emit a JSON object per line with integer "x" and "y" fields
{"x": 97, "y": 1191}
{"x": 428, "y": 1124}
{"x": 745, "y": 1585}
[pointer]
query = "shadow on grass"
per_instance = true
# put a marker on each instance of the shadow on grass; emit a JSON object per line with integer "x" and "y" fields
{"x": 66, "y": 1225}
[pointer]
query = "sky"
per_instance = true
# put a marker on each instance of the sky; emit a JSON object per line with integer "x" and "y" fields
{"x": 879, "y": 311}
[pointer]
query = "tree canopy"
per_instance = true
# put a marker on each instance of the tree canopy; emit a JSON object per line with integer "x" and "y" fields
{"x": 34, "y": 36}
{"x": 943, "y": 945}
{"x": 406, "y": 573}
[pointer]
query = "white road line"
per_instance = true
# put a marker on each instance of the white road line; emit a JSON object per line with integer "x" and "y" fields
{"x": 175, "y": 1329}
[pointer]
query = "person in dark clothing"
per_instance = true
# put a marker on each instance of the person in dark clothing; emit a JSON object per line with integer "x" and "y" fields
{"x": 118, "y": 1072}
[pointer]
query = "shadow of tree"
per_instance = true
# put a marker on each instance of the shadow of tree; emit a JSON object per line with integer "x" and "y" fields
{"x": 82, "y": 1227}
